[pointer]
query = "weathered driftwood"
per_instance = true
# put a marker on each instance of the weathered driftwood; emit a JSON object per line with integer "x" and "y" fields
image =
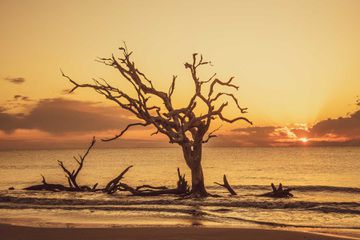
{"x": 70, "y": 175}
{"x": 279, "y": 192}
{"x": 113, "y": 185}
{"x": 227, "y": 185}
{"x": 48, "y": 186}
{"x": 182, "y": 188}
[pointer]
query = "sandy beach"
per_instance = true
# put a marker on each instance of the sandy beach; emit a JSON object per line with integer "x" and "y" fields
{"x": 9, "y": 232}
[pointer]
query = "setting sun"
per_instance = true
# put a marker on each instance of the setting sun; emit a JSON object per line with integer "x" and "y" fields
{"x": 304, "y": 140}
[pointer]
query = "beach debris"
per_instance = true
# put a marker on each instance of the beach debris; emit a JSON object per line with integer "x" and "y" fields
{"x": 182, "y": 188}
{"x": 112, "y": 186}
{"x": 279, "y": 192}
{"x": 227, "y": 185}
{"x": 48, "y": 187}
{"x": 70, "y": 175}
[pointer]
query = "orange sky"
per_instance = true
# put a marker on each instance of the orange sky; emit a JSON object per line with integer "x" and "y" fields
{"x": 297, "y": 62}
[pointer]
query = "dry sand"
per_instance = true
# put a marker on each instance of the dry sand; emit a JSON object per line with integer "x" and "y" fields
{"x": 8, "y": 232}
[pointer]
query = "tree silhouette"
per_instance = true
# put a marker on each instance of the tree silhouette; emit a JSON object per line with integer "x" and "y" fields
{"x": 183, "y": 126}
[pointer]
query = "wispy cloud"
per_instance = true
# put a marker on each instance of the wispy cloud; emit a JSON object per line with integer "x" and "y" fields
{"x": 21, "y": 97}
{"x": 15, "y": 80}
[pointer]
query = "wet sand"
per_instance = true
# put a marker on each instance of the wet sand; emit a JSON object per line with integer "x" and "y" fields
{"x": 8, "y": 232}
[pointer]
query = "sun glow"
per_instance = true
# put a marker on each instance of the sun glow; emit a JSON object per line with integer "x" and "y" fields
{"x": 304, "y": 140}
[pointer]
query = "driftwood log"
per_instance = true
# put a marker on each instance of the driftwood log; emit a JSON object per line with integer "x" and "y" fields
{"x": 182, "y": 188}
{"x": 227, "y": 185}
{"x": 279, "y": 192}
{"x": 48, "y": 187}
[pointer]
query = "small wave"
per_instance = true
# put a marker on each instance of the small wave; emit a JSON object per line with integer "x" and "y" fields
{"x": 276, "y": 224}
{"x": 309, "y": 188}
{"x": 204, "y": 215}
{"x": 220, "y": 203}
{"x": 327, "y": 189}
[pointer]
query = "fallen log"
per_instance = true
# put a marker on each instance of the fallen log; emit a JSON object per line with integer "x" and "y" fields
{"x": 147, "y": 190}
{"x": 227, "y": 185}
{"x": 48, "y": 187}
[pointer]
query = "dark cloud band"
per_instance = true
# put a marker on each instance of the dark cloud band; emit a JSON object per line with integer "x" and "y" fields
{"x": 58, "y": 116}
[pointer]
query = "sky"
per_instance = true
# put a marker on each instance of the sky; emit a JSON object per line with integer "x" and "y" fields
{"x": 297, "y": 64}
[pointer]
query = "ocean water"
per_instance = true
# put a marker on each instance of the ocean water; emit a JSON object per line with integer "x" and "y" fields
{"x": 326, "y": 182}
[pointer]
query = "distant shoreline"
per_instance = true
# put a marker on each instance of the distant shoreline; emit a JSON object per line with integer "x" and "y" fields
{"x": 175, "y": 147}
{"x": 10, "y": 232}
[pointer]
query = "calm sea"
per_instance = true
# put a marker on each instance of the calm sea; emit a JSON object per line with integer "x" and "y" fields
{"x": 326, "y": 182}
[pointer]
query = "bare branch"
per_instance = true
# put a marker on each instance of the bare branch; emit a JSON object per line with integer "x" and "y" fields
{"x": 234, "y": 119}
{"x": 211, "y": 135}
{"x": 217, "y": 81}
{"x": 124, "y": 131}
{"x": 112, "y": 186}
{"x": 172, "y": 87}
{"x": 71, "y": 176}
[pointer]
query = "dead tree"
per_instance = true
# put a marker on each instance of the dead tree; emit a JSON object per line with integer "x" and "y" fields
{"x": 227, "y": 186}
{"x": 71, "y": 176}
{"x": 185, "y": 126}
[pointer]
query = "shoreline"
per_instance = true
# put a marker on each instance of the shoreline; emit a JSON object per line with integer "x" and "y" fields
{"x": 11, "y": 232}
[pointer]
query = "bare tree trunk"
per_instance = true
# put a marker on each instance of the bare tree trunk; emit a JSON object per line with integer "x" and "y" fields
{"x": 192, "y": 155}
{"x": 197, "y": 181}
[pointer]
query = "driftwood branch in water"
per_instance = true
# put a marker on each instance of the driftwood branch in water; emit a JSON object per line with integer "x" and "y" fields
{"x": 71, "y": 176}
{"x": 48, "y": 187}
{"x": 146, "y": 186}
{"x": 279, "y": 192}
{"x": 148, "y": 190}
{"x": 113, "y": 185}
{"x": 227, "y": 185}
